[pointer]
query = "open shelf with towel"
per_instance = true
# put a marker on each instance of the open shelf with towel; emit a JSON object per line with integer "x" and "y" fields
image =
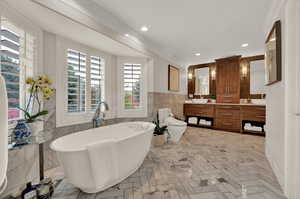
{"x": 244, "y": 118}
{"x": 200, "y": 121}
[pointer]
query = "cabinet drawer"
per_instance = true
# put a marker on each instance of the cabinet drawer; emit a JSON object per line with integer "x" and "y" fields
{"x": 199, "y": 110}
{"x": 228, "y": 99}
{"x": 228, "y": 113}
{"x": 227, "y": 107}
{"x": 228, "y": 124}
{"x": 254, "y": 113}
{"x": 260, "y": 117}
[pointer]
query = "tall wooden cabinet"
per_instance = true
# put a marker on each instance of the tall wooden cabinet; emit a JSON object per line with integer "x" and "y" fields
{"x": 228, "y": 80}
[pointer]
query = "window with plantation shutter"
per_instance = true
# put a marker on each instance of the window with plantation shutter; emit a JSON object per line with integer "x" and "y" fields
{"x": 77, "y": 62}
{"x": 97, "y": 80}
{"x": 132, "y": 85}
{"x": 17, "y": 59}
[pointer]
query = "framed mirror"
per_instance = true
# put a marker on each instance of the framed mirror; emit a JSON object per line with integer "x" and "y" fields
{"x": 202, "y": 81}
{"x": 257, "y": 77}
{"x": 273, "y": 55}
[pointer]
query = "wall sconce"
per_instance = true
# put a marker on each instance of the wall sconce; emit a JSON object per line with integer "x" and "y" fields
{"x": 244, "y": 72}
{"x": 213, "y": 74}
{"x": 190, "y": 75}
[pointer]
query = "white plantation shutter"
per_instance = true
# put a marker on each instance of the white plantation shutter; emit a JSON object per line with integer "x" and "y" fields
{"x": 76, "y": 81}
{"x": 18, "y": 49}
{"x": 132, "y": 85}
{"x": 97, "y": 80}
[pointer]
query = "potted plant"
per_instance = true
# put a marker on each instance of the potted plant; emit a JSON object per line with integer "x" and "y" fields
{"x": 213, "y": 98}
{"x": 39, "y": 89}
{"x": 159, "y": 137}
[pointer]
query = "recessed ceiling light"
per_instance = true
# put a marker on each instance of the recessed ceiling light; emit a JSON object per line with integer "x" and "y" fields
{"x": 126, "y": 35}
{"x": 197, "y": 54}
{"x": 245, "y": 45}
{"x": 144, "y": 28}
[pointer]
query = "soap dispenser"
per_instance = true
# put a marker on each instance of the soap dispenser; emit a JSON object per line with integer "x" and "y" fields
{"x": 30, "y": 192}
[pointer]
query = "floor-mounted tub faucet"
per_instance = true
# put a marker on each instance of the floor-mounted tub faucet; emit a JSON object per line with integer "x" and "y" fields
{"x": 99, "y": 115}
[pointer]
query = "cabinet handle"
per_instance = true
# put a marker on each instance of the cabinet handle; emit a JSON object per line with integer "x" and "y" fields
{"x": 260, "y": 116}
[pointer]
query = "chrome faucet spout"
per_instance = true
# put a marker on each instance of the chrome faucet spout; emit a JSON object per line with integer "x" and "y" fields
{"x": 97, "y": 116}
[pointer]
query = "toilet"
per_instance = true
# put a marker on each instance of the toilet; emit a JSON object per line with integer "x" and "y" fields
{"x": 176, "y": 127}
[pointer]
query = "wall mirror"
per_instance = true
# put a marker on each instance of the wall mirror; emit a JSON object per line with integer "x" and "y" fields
{"x": 257, "y": 77}
{"x": 202, "y": 81}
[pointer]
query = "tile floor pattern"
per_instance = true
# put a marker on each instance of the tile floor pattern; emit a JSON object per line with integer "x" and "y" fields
{"x": 206, "y": 164}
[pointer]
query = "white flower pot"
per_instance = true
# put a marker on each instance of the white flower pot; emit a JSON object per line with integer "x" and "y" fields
{"x": 36, "y": 127}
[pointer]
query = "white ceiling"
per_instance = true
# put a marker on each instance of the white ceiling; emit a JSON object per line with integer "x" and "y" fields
{"x": 53, "y": 22}
{"x": 214, "y": 28}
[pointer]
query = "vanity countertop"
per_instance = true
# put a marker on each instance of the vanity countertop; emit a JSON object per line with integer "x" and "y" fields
{"x": 229, "y": 104}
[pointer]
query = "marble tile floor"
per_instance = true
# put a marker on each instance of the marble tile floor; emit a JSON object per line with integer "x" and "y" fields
{"x": 206, "y": 164}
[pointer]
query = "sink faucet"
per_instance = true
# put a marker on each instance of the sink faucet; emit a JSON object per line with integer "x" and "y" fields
{"x": 99, "y": 115}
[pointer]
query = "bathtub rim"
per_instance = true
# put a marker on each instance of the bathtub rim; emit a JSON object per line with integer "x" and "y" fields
{"x": 84, "y": 148}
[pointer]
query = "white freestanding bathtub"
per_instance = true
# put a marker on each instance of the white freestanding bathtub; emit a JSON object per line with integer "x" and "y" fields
{"x": 96, "y": 159}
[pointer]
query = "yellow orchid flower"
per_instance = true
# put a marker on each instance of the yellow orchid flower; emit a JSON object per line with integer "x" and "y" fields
{"x": 30, "y": 81}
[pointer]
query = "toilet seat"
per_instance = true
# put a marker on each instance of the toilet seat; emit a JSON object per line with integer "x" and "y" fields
{"x": 174, "y": 122}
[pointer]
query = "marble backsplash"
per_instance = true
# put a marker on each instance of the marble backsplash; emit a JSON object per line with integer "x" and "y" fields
{"x": 169, "y": 100}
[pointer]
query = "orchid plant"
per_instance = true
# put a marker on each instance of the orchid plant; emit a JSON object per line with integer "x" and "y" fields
{"x": 39, "y": 88}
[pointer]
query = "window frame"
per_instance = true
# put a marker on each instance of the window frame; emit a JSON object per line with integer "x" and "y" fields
{"x": 28, "y": 27}
{"x": 143, "y": 110}
{"x": 86, "y": 81}
{"x": 63, "y": 117}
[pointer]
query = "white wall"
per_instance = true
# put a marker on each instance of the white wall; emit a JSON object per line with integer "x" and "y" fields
{"x": 283, "y": 140}
{"x": 275, "y": 110}
{"x": 161, "y": 76}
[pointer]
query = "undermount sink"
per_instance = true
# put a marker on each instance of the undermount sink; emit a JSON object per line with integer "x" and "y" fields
{"x": 258, "y": 101}
{"x": 200, "y": 101}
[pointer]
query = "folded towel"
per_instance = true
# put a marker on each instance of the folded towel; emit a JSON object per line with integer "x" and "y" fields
{"x": 253, "y": 128}
{"x": 193, "y": 120}
{"x": 104, "y": 161}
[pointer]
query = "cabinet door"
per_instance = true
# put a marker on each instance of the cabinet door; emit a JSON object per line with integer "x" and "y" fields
{"x": 228, "y": 81}
{"x": 233, "y": 76}
{"x": 221, "y": 82}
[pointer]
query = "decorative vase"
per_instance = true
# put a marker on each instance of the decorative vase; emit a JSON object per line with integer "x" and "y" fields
{"x": 21, "y": 133}
{"x": 36, "y": 127}
{"x": 158, "y": 140}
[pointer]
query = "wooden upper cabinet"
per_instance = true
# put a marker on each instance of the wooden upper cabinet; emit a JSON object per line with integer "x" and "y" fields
{"x": 228, "y": 80}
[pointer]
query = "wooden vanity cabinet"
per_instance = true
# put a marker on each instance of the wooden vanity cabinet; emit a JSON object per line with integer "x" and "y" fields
{"x": 228, "y": 80}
